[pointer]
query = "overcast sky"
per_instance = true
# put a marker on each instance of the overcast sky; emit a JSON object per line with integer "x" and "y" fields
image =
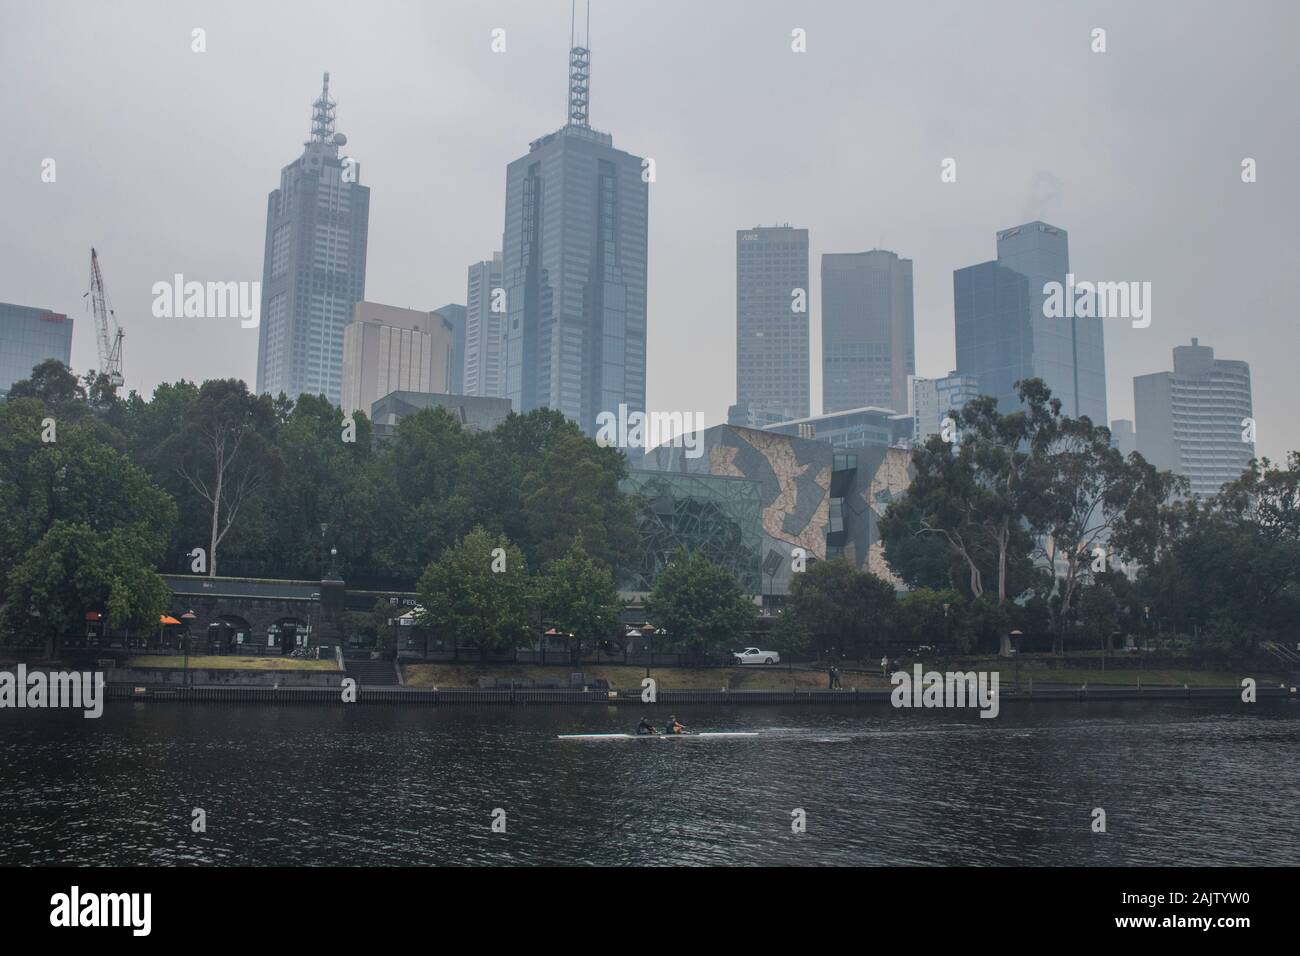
{"x": 165, "y": 158}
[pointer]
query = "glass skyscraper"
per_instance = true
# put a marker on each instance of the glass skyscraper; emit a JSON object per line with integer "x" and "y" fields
{"x": 1004, "y": 337}
{"x": 29, "y": 336}
{"x": 484, "y": 331}
{"x": 314, "y": 268}
{"x": 574, "y": 270}
{"x": 772, "y": 305}
{"x": 868, "y": 332}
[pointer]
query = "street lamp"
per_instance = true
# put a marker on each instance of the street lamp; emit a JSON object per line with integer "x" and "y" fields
{"x": 1016, "y": 635}
{"x": 647, "y": 630}
{"x": 188, "y": 617}
{"x": 1146, "y": 613}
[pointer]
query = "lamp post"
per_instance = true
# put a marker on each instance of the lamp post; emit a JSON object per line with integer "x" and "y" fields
{"x": 1016, "y": 635}
{"x": 1146, "y": 614}
{"x": 648, "y": 630}
{"x": 188, "y": 617}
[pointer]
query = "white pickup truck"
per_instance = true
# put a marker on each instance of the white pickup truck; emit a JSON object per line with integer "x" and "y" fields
{"x": 752, "y": 655}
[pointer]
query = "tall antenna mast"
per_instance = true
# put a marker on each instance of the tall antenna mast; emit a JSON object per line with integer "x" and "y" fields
{"x": 322, "y": 114}
{"x": 579, "y": 70}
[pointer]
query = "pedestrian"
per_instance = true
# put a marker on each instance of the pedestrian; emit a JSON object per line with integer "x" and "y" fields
{"x": 830, "y": 678}
{"x": 884, "y": 666}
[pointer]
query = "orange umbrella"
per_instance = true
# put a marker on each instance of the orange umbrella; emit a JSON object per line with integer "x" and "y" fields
{"x": 164, "y": 619}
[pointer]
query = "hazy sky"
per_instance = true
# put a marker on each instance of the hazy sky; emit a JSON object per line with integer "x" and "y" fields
{"x": 165, "y": 158}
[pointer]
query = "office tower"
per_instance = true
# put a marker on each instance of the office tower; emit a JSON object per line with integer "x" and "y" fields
{"x": 1196, "y": 420}
{"x": 772, "y": 304}
{"x": 454, "y": 316}
{"x": 314, "y": 269}
{"x": 387, "y": 349}
{"x": 934, "y": 399}
{"x": 574, "y": 269}
{"x": 1123, "y": 437}
{"x": 29, "y": 336}
{"x": 1004, "y": 337}
{"x": 868, "y": 337}
{"x": 485, "y": 341}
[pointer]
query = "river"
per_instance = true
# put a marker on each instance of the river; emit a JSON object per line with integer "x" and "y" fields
{"x": 1212, "y": 783}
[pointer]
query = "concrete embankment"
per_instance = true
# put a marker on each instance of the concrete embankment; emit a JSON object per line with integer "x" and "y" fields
{"x": 399, "y": 696}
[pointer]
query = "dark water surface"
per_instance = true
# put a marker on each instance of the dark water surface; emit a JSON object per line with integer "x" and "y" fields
{"x": 1181, "y": 783}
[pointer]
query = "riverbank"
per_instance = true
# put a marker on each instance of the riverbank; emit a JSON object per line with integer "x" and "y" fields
{"x": 620, "y": 677}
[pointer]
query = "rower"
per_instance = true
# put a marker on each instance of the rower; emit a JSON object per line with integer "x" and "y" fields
{"x": 673, "y": 727}
{"x": 645, "y": 727}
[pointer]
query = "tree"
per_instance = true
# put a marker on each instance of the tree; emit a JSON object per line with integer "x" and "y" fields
{"x": 71, "y": 540}
{"x": 1092, "y": 505}
{"x": 321, "y": 483}
{"x": 833, "y": 607}
{"x": 1004, "y": 451}
{"x": 699, "y": 604}
{"x": 478, "y": 592}
{"x": 73, "y": 568}
{"x": 577, "y": 594}
{"x": 52, "y": 384}
{"x": 1229, "y": 566}
{"x": 432, "y": 485}
{"x": 225, "y": 452}
{"x": 573, "y": 490}
{"x": 934, "y": 617}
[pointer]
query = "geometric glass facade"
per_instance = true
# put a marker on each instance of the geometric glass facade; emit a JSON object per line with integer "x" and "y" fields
{"x": 29, "y": 336}
{"x": 718, "y": 517}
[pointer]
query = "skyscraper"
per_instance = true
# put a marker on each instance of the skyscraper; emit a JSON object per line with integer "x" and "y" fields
{"x": 772, "y": 303}
{"x": 574, "y": 269}
{"x": 1004, "y": 337}
{"x": 868, "y": 334}
{"x": 29, "y": 336}
{"x": 1196, "y": 420}
{"x": 454, "y": 318}
{"x": 314, "y": 269}
{"x": 485, "y": 341}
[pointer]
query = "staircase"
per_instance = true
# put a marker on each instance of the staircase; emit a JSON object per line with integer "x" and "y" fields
{"x": 369, "y": 673}
{"x": 1282, "y": 654}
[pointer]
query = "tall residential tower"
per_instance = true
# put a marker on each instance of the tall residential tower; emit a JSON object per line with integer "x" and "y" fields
{"x": 1196, "y": 420}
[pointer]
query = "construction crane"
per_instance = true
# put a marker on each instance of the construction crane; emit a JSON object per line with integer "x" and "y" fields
{"x": 110, "y": 340}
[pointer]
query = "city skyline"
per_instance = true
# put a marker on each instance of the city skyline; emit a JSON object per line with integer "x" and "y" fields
{"x": 192, "y": 204}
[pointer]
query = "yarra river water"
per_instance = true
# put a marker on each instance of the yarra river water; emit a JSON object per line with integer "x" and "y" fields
{"x": 1213, "y": 783}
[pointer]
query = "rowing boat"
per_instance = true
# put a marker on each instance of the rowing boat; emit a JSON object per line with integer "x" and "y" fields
{"x": 653, "y": 736}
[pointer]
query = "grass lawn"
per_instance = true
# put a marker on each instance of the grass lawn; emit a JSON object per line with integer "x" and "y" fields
{"x": 802, "y": 677}
{"x": 1130, "y": 677}
{"x": 231, "y": 663}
